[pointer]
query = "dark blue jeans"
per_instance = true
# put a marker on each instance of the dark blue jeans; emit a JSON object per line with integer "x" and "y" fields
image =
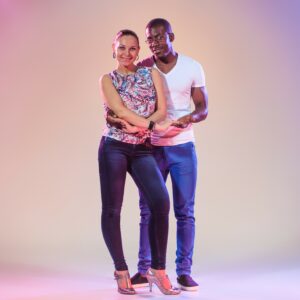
{"x": 181, "y": 162}
{"x": 115, "y": 160}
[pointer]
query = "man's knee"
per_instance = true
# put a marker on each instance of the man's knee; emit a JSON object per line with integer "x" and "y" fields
{"x": 185, "y": 214}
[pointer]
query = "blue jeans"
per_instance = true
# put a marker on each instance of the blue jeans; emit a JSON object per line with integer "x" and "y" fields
{"x": 181, "y": 162}
{"x": 115, "y": 160}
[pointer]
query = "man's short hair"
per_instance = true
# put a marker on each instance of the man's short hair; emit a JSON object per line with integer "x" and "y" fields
{"x": 160, "y": 22}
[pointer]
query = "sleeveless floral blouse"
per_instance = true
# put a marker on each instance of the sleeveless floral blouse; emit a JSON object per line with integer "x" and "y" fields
{"x": 138, "y": 94}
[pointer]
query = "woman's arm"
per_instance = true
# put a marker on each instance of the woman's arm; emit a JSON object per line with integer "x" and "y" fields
{"x": 114, "y": 102}
{"x": 161, "y": 105}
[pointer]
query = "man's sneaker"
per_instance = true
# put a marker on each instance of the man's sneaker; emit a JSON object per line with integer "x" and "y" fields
{"x": 186, "y": 283}
{"x": 139, "y": 280}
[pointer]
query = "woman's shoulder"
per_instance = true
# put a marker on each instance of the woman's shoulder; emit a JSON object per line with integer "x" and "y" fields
{"x": 104, "y": 77}
{"x": 105, "y": 81}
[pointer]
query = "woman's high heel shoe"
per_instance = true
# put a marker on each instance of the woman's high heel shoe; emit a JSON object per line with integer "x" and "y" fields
{"x": 162, "y": 281}
{"x": 124, "y": 283}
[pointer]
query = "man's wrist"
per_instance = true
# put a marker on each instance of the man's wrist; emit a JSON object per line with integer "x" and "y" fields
{"x": 190, "y": 118}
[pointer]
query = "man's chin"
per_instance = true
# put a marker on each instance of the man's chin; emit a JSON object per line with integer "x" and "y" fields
{"x": 160, "y": 55}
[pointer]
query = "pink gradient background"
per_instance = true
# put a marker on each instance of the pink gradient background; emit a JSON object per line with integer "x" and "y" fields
{"x": 52, "y": 54}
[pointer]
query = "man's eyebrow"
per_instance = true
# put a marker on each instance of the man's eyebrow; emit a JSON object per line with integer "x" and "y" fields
{"x": 154, "y": 35}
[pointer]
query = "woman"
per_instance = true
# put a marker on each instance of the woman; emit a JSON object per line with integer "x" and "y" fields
{"x": 135, "y": 95}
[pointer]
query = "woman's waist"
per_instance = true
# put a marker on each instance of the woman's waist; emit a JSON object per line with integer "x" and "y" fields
{"x": 110, "y": 145}
{"x": 121, "y": 136}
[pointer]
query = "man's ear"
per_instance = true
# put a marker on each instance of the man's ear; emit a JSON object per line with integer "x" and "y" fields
{"x": 172, "y": 36}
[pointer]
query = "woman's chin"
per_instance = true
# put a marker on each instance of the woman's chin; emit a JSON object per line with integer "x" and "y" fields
{"x": 127, "y": 64}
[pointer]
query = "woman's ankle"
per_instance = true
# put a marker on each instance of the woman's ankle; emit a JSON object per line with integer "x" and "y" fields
{"x": 161, "y": 272}
{"x": 122, "y": 272}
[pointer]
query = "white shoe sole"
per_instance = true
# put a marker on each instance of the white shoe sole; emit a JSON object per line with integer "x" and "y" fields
{"x": 140, "y": 285}
{"x": 188, "y": 288}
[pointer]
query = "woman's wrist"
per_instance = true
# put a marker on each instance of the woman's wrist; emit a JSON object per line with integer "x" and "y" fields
{"x": 151, "y": 126}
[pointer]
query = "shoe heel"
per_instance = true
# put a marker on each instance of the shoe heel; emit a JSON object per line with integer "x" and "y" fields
{"x": 150, "y": 286}
{"x": 160, "y": 283}
{"x": 151, "y": 280}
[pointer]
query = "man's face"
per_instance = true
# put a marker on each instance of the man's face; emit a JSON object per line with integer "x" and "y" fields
{"x": 158, "y": 41}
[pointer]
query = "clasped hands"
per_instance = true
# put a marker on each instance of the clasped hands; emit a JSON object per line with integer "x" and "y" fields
{"x": 113, "y": 120}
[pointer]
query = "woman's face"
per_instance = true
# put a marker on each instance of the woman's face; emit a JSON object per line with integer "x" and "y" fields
{"x": 126, "y": 49}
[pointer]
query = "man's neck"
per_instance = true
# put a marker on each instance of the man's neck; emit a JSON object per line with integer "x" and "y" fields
{"x": 167, "y": 63}
{"x": 168, "y": 59}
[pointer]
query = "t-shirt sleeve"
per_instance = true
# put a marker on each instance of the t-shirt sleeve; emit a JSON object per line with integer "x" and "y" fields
{"x": 198, "y": 76}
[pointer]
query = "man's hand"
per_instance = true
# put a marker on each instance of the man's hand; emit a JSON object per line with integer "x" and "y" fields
{"x": 183, "y": 122}
{"x": 113, "y": 120}
{"x": 128, "y": 128}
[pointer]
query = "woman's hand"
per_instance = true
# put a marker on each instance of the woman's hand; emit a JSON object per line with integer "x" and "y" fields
{"x": 170, "y": 128}
{"x": 163, "y": 126}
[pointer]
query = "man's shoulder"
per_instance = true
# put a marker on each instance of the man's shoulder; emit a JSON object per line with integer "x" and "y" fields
{"x": 188, "y": 59}
{"x": 191, "y": 65}
{"x": 147, "y": 62}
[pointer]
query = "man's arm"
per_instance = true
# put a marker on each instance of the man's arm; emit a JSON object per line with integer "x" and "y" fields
{"x": 200, "y": 99}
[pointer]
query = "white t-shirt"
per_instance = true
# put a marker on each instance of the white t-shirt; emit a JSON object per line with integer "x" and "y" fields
{"x": 186, "y": 74}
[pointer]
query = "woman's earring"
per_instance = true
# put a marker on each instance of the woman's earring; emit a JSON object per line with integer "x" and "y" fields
{"x": 114, "y": 55}
{"x": 137, "y": 58}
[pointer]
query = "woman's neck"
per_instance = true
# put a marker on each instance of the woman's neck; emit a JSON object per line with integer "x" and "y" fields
{"x": 127, "y": 70}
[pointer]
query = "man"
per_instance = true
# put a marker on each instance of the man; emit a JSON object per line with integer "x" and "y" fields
{"x": 174, "y": 150}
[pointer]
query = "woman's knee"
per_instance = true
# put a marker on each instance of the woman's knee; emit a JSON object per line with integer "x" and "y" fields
{"x": 161, "y": 205}
{"x": 111, "y": 212}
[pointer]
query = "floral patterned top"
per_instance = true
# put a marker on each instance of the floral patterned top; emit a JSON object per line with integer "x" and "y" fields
{"x": 138, "y": 93}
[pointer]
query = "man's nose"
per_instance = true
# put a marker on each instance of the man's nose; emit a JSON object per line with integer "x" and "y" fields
{"x": 155, "y": 42}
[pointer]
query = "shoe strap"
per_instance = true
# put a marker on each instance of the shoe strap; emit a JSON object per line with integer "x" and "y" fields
{"x": 123, "y": 276}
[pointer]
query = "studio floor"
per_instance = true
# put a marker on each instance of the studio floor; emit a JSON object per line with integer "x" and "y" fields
{"x": 25, "y": 284}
